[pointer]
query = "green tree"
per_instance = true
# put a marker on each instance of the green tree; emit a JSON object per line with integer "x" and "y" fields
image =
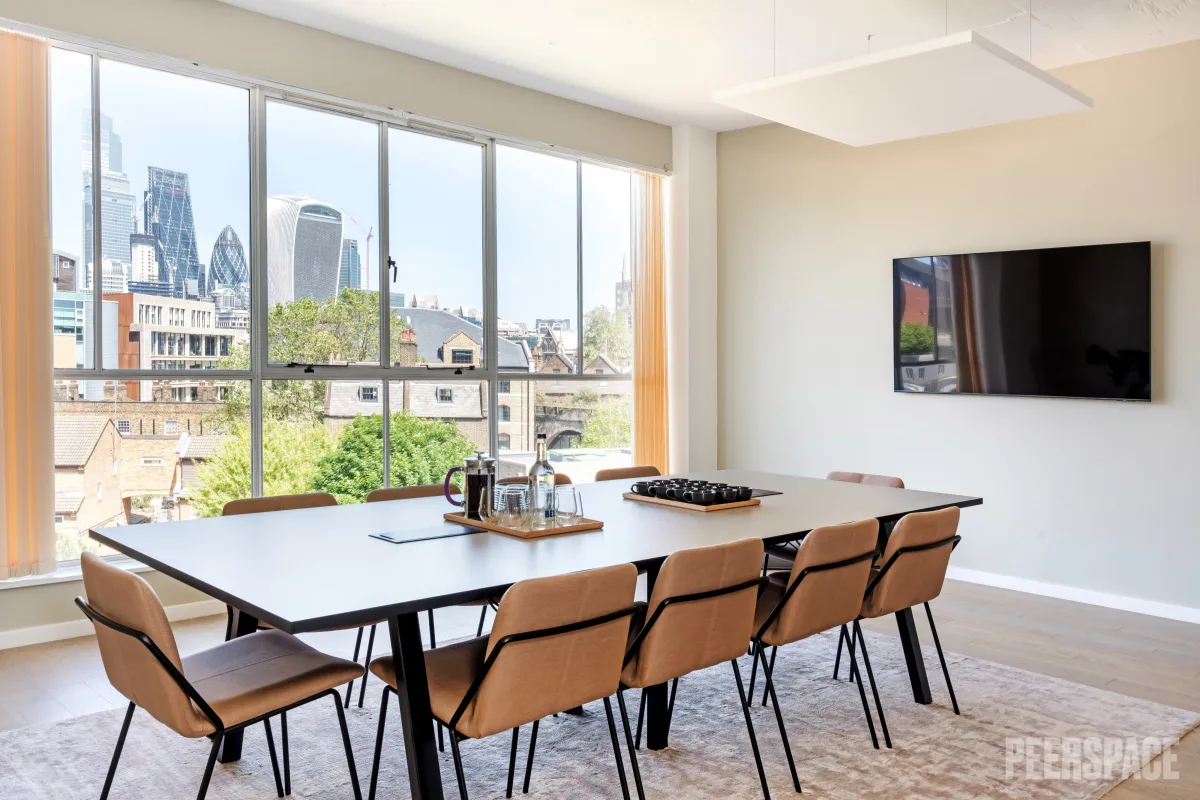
{"x": 291, "y": 453}
{"x": 607, "y": 332}
{"x": 305, "y": 331}
{"x": 916, "y": 339}
{"x": 608, "y": 426}
{"x": 423, "y": 451}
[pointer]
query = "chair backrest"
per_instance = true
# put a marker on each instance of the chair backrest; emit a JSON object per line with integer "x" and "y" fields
{"x": 560, "y": 479}
{"x": 282, "y": 502}
{"x": 867, "y": 478}
{"x": 826, "y": 598}
{"x": 696, "y": 634}
{"x": 132, "y": 669}
{"x": 913, "y": 577}
{"x": 410, "y": 492}
{"x": 538, "y": 677}
{"x": 626, "y": 473}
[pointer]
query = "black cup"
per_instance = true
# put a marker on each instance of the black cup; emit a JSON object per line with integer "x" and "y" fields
{"x": 744, "y": 493}
{"x": 642, "y": 488}
{"x": 674, "y": 493}
{"x": 700, "y": 497}
{"x": 728, "y": 494}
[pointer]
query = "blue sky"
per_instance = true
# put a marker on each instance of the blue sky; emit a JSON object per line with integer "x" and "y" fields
{"x": 435, "y": 198}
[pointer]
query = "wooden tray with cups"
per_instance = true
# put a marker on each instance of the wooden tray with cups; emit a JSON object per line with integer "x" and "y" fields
{"x": 691, "y": 495}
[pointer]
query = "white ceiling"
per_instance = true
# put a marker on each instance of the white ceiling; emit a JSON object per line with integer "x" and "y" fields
{"x": 663, "y": 59}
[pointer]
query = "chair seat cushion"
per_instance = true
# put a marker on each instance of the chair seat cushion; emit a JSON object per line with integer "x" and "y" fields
{"x": 450, "y": 671}
{"x": 251, "y": 676}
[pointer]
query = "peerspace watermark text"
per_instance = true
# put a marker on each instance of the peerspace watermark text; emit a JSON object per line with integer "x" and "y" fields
{"x": 1089, "y": 758}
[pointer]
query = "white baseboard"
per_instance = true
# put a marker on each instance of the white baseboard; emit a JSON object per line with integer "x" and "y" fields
{"x": 1088, "y": 596}
{"x": 75, "y": 628}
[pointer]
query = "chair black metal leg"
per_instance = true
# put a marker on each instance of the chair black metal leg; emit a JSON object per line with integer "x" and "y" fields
{"x": 837, "y": 662}
{"x": 941, "y": 657}
{"x": 362, "y": 691}
{"x": 337, "y": 701}
{"x": 287, "y": 762}
{"x": 441, "y": 739}
{"x": 112, "y": 767}
{"x": 754, "y": 646}
{"x": 432, "y": 634}
{"x": 637, "y": 741}
{"x": 862, "y": 643}
{"x": 768, "y": 676}
{"x": 762, "y": 775}
{"x": 637, "y": 773}
{"x": 766, "y": 692}
{"x": 612, "y": 733}
{"x": 357, "y": 648}
{"x": 274, "y": 759}
{"x": 862, "y": 694}
{"x": 458, "y": 769}
{"x": 671, "y": 702}
{"x": 212, "y": 761}
{"x": 529, "y": 759}
{"x": 482, "y": 617}
{"x": 379, "y": 743}
{"x": 512, "y": 762}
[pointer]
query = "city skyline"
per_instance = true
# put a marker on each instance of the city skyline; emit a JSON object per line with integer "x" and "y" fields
{"x": 201, "y": 129}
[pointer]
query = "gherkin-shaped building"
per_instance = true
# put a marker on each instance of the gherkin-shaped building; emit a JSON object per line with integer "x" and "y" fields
{"x": 227, "y": 268}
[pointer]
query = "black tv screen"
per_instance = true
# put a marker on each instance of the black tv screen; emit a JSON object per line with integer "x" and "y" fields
{"x": 1057, "y": 322}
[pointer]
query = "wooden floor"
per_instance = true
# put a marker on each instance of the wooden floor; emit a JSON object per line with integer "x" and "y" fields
{"x": 1131, "y": 654}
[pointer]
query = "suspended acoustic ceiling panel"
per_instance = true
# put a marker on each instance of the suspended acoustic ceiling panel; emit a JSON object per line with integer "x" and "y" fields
{"x": 950, "y": 84}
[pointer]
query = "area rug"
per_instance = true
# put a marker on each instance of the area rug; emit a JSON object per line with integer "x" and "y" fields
{"x": 936, "y": 754}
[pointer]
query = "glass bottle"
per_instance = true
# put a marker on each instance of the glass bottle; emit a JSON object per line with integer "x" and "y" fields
{"x": 541, "y": 484}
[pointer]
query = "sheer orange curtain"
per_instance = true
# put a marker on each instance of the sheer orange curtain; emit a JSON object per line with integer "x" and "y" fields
{"x": 26, "y": 411}
{"x": 649, "y": 325}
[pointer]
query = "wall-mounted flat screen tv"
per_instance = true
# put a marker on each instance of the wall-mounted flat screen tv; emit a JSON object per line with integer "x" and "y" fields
{"x": 1057, "y": 322}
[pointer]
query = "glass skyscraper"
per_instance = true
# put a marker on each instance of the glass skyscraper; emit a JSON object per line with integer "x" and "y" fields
{"x": 227, "y": 268}
{"x": 118, "y": 205}
{"x": 350, "y": 275}
{"x": 169, "y": 220}
{"x": 304, "y": 249}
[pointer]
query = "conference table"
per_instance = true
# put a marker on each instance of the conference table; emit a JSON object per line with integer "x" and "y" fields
{"x": 315, "y": 569}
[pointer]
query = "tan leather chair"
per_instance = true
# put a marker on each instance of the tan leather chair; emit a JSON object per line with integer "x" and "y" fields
{"x": 700, "y": 614}
{"x": 866, "y": 478}
{"x": 410, "y": 492}
{"x": 912, "y": 572}
{"x": 822, "y": 591}
{"x": 283, "y": 502}
{"x": 779, "y": 556}
{"x": 293, "y": 502}
{"x": 560, "y": 479}
{"x": 208, "y": 694}
{"x": 626, "y": 473}
{"x": 557, "y": 643}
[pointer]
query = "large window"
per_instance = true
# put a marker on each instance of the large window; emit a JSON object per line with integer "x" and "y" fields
{"x": 322, "y": 237}
{"x": 183, "y": 203}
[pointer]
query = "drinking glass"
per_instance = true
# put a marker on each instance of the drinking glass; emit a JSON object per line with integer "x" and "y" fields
{"x": 568, "y": 506}
{"x": 511, "y": 504}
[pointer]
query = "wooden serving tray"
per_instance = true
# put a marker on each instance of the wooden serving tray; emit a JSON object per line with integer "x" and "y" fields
{"x": 662, "y": 501}
{"x": 584, "y": 524}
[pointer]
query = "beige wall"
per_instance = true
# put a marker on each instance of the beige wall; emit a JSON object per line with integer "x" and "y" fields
{"x": 51, "y": 603}
{"x": 1092, "y": 495}
{"x": 213, "y": 34}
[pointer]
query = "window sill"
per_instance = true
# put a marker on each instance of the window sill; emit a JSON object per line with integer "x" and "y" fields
{"x": 69, "y": 573}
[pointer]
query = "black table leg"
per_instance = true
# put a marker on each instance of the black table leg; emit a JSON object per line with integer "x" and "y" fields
{"x": 911, "y": 643}
{"x": 412, "y": 690}
{"x": 658, "y": 716}
{"x": 240, "y": 624}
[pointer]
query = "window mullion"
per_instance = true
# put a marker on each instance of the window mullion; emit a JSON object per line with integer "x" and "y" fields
{"x": 491, "y": 337}
{"x": 385, "y": 297}
{"x": 97, "y": 239}
{"x": 579, "y": 266}
{"x": 258, "y": 282}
